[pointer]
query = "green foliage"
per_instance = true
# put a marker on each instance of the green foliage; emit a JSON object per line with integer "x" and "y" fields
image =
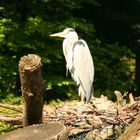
{"x": 113, "y": 71}
{"x": 6, "y": 127}
{"x": 60, "y": 88}
{"x": 25, "y": 27}
{"x": 11, "y": 99}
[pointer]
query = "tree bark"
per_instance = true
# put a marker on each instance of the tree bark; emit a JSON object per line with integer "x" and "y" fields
{"x": 32, "y": 88}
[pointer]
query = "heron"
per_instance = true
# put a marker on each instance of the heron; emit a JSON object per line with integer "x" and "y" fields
{"x": 79, "y": 62}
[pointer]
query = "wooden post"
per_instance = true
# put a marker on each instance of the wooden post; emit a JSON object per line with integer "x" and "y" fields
{"x": 32, "y": 88}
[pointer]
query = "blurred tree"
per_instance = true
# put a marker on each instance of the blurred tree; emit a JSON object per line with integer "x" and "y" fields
{"x": 118, "y": 21}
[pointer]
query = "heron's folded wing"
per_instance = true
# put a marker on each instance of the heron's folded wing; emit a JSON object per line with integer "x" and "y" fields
{"x": 83, "y": 64}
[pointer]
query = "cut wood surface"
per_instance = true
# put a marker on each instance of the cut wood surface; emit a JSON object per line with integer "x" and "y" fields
{"x": 49, "y": 131}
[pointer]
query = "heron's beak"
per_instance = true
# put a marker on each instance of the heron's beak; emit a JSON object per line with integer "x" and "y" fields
{"x": 61, "y": 34}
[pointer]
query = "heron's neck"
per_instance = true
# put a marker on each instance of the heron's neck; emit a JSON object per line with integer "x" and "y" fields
{"x": 70, "y": 41}
{"x": 68, "y": 44}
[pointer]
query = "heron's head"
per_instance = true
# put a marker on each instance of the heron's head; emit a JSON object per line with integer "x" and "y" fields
{"x": 67, "y": 33}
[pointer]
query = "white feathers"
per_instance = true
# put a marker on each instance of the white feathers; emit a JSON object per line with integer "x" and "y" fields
{"x": 78, "y": 62}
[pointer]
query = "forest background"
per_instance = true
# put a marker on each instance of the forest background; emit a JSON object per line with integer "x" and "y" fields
{"x": 111, "y": 29}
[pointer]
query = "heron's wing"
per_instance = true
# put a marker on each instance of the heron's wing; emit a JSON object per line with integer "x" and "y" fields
{"x": 83, "y": 65}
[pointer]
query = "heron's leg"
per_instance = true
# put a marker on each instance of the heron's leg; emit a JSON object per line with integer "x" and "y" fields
{"x": 81, "y": 94}
{"x": 66, "y": 70}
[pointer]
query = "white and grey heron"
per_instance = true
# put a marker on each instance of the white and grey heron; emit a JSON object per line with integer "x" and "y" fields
{"x": 79, "y": 62}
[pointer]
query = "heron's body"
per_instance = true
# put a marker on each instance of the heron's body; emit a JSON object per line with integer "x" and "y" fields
{"x": 78, "y": 62}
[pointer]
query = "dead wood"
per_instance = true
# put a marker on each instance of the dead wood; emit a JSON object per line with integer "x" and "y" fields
{"x": 100, "y": 119}
{"x": 133, "y": 131}
{"x": 32, "y": 88}
{"x": 11, "y": 107}
{"x": 49, "y": 131}
{"x": 11, "y": 120}
{"x": 100, "y": 115}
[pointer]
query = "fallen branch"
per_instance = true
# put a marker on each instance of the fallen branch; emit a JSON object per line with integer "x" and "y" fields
{"x": 14, "y": 121}
{"x": 11, "y": 107}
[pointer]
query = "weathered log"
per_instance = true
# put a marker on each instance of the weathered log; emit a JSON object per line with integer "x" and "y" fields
{"x": 32, "y": 88}
{"x": 49, "y": 131}
{"x": 133, "y": 131}
{"x": 15, "y": 121}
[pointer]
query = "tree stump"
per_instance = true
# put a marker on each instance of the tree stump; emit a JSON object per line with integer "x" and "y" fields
{"x": 32, "y": 89}
{"x": 49, "y": 131}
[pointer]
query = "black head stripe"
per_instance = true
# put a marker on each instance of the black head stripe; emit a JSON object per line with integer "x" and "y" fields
{"x": 71, "y": 30}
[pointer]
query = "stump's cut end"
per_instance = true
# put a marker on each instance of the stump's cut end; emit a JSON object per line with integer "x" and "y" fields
{"x": 29, "y": 62}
